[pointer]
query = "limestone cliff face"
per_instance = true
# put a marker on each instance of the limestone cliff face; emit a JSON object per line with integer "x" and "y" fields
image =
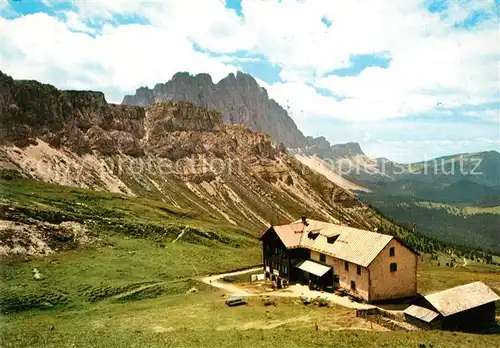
{"x": 238, "y": 97}
{"x": 174, "y": 151}
{"x": 80, "y": 120}
{"x": 346, "y": 150}
{"x": 240, "y": 100}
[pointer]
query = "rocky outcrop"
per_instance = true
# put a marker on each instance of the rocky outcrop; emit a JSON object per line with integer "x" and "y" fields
{"x": 80, "y": 120}
{"x": 84, "y": 122}
{"x": 173, "y": 151}
{"x": 23, "y": 235}
{"x": 239, "y": 99}
{"x": 321, "y": 147}
{"x": 346, "y": 150}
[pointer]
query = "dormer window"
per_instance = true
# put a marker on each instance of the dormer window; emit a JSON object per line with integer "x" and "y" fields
{"x": 313, "y": 235}
{"x": 331, "y": 239}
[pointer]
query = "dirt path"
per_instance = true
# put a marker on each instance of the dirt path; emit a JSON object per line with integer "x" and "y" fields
{"x": 298, "y": 290}
{"x": 295, "y": 290}
{"x": 180, "y": 234}
{"x": 135, "y": 290}
{"x": 214, "y": 280}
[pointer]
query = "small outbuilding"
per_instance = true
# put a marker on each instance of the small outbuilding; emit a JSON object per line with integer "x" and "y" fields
{"x": 466, "y": 308}
{"x": 423, "y": 317}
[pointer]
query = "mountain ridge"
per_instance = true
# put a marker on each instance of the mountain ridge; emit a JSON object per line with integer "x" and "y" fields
{"x": 175, "y": 152}
{"x": 181, "y": 154}
{"x": 240, "y": 100}
{"x": 234, "y": 107}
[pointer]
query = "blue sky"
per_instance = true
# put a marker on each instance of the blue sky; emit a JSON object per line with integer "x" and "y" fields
{"x": 408, "y": 80}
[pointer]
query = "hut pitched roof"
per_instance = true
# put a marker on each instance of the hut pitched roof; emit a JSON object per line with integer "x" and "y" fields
{"x": 461, "y": 298}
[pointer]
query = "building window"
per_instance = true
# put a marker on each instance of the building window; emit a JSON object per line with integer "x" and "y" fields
{"x": 353, "y": 285}
{"x": 392, "y": 251}
{"x": 276, "y": 251}
{"x": 285, "y": 270}
{"x": 313, "y": 235}
{"x": 346, "y": 266}
{"x": 331, "y": 240}
{"x": 358, "y": 270}
{"x": 394, "y": 267}
{"x": 322, "y": 257}
{"x": 336, "y": 278}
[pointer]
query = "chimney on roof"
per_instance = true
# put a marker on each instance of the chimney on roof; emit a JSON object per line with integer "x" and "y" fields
{"x": 304, "y": 221}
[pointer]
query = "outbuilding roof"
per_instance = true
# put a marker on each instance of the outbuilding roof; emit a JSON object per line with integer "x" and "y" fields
{"x": 421, "y": 313}
{"x": 461, "y": 298}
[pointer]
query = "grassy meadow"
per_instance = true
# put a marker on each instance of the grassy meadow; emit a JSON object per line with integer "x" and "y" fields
{"x": 202, "y": 320}
{"x": 432, "y": 277}
{"x": 141, "y": 248}
{"x": 462, "y": 209}
{"x": 138, "y": 283}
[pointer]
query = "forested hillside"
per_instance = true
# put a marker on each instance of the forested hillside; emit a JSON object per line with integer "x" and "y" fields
{"x": 446, "y": 223}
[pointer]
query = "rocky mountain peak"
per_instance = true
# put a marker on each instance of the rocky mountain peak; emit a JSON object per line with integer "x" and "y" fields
{"x": 350, "y": 149}
{"x": 241, "y": 100}
{"x": 174, "y": 151}
{"x": 83, "y": 122}
{"x": 238, "y": 97}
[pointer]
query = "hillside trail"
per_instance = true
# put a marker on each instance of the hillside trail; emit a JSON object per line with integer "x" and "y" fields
{"x": 214, "y": 280}
{"x": 295, "y": 290}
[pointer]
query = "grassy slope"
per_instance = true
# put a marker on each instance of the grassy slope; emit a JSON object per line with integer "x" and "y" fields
{"x": 135, "y": 248}
{"x": 80, "y": 203}
{"x": 432, "y": 278}
{"x": 202, "y": 320}
{"x": 91, "y": 294}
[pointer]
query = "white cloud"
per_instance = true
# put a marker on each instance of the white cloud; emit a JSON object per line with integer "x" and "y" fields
{"x": 491, "y": 115}
{"x": 433, "y": 63}
{"x": 435, "y": 67}
{"x": 74, "y": 23}
{"x": 208, "y": 23}
{"x": 118, "y": 58}
{"x": 4, "y": 4}
{"x": 108, "y": 8}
